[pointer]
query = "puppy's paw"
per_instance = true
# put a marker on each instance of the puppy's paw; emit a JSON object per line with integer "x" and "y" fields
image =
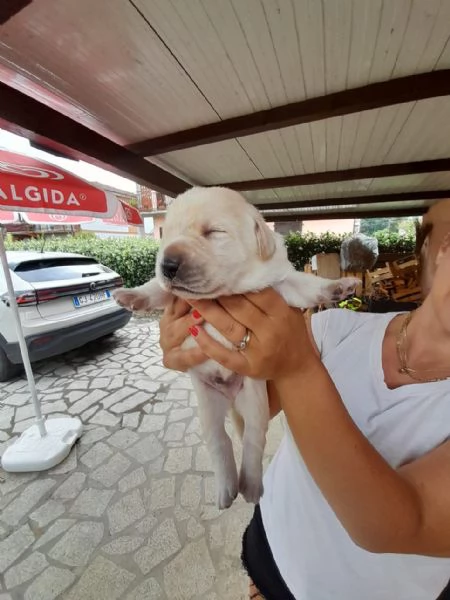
{"x": 251, "y": 487}
{"x": 339, "y": 290}
{"x": 131, "y": 299}
{"x": 226, "y": 493}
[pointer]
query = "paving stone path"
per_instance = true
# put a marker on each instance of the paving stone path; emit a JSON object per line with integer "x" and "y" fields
{"x": 130, "y": 513}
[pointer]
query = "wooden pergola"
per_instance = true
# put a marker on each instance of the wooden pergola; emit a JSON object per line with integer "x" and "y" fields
{"x": 311, "y": 108}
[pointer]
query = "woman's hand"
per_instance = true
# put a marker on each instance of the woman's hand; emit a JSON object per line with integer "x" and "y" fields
{"x": 279, "y": 343}
{"x": 173, "y": 330}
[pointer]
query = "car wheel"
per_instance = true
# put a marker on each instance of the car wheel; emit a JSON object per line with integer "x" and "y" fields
{"x": 8, "y": 370}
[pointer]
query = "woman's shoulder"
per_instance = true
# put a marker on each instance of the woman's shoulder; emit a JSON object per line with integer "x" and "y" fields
{"x": 330, "y": 327}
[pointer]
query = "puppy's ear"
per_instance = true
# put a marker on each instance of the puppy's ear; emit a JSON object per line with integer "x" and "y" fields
{"x": 264, "y": 238}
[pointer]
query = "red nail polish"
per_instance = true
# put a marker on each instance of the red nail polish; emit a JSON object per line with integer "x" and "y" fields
{"x": 196, "y": 314}
{"x": 193, "y": 331}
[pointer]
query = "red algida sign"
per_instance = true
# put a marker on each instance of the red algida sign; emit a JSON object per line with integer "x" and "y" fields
{"x": 30, "y": 184}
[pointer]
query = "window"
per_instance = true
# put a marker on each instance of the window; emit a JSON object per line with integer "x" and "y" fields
{"x": 57, "y": 269}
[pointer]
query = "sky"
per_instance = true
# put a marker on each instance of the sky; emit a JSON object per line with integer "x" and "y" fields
{"x": 16, "y": 143}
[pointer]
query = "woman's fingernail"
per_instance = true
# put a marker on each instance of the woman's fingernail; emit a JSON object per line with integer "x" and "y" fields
{"x": 193, "y": 331}
{"x": 196, "y": 314}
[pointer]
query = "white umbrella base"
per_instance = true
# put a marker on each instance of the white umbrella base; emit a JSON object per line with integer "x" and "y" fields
{"x": 32, "y": 452}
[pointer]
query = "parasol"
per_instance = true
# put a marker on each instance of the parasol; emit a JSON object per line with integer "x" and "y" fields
{"x": 41, "y": 191}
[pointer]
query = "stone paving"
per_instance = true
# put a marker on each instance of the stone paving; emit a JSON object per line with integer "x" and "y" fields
{"x": 130, "y": 513}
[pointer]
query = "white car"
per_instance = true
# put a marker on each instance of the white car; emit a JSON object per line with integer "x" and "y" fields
{"x": 64, "y": 301}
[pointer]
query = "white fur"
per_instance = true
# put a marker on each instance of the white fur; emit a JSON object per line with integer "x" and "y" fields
{"x": 240, "y": 255}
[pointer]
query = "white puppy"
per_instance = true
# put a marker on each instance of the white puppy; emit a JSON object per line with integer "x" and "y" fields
{"x": 216, "y": 244}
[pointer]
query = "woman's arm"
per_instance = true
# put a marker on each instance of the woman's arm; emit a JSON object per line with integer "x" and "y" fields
{"x": 380, "y": 509}
{"x": 383, "y": 509}
{"x": 274, "y": 398}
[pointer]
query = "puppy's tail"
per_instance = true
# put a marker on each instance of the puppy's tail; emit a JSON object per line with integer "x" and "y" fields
{"x": 238, "y": 422}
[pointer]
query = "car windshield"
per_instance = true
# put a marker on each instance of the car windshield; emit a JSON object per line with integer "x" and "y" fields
{"x": 57, "y": 269}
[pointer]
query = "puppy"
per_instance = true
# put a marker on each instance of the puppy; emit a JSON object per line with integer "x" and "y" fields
{"x": 217, "y": 244}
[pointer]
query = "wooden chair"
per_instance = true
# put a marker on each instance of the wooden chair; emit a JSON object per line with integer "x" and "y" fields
{"x": 379, "y": 279}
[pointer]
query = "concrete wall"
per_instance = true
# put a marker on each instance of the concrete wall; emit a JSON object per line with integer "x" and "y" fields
{"x": 331, "y": 225}
{"x": 287, "y": 226}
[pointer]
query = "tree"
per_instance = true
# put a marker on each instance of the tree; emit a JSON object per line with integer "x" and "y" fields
{"x": 400, "y": 225}
{"x": 370, "y": 226}
{"x": 407, "y": 226}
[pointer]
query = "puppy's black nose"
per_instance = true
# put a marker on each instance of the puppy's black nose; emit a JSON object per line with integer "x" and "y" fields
{"x": 170, "y": 267}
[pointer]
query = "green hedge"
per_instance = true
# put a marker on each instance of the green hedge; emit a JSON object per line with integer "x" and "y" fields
{"x": 302, "y": 247}
{"x": 393, "y": 242}
{"x": 134, "y": 258}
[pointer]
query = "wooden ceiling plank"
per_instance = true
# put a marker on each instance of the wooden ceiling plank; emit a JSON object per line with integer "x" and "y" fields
{"x": 9, "y": 8}
{"x": 376, "y": 95}
{"x": 374, "y": 172}
{"x": 360, "y": 200}
{"x": 34, "y": 117}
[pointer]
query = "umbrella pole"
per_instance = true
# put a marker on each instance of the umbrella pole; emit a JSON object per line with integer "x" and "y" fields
{"x": 22, "y": 344}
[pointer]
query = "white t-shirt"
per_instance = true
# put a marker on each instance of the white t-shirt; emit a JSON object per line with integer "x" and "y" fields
{"x": 315, "y": 555}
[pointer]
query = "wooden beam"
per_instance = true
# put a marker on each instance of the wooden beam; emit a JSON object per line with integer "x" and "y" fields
{"x": 352, "y": 214}
{"x": 31, "y": 118}
{"x": 375, "y": 172}
{"x": 359, "y": 200}
{"x": 9, "y": 8}
{"x": 375, "y": 95}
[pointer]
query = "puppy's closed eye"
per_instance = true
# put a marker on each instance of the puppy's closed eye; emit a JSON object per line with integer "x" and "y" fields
{"x": 210, "y": 231}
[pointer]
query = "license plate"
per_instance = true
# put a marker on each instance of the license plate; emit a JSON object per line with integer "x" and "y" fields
{"x": 92, "y": 298}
